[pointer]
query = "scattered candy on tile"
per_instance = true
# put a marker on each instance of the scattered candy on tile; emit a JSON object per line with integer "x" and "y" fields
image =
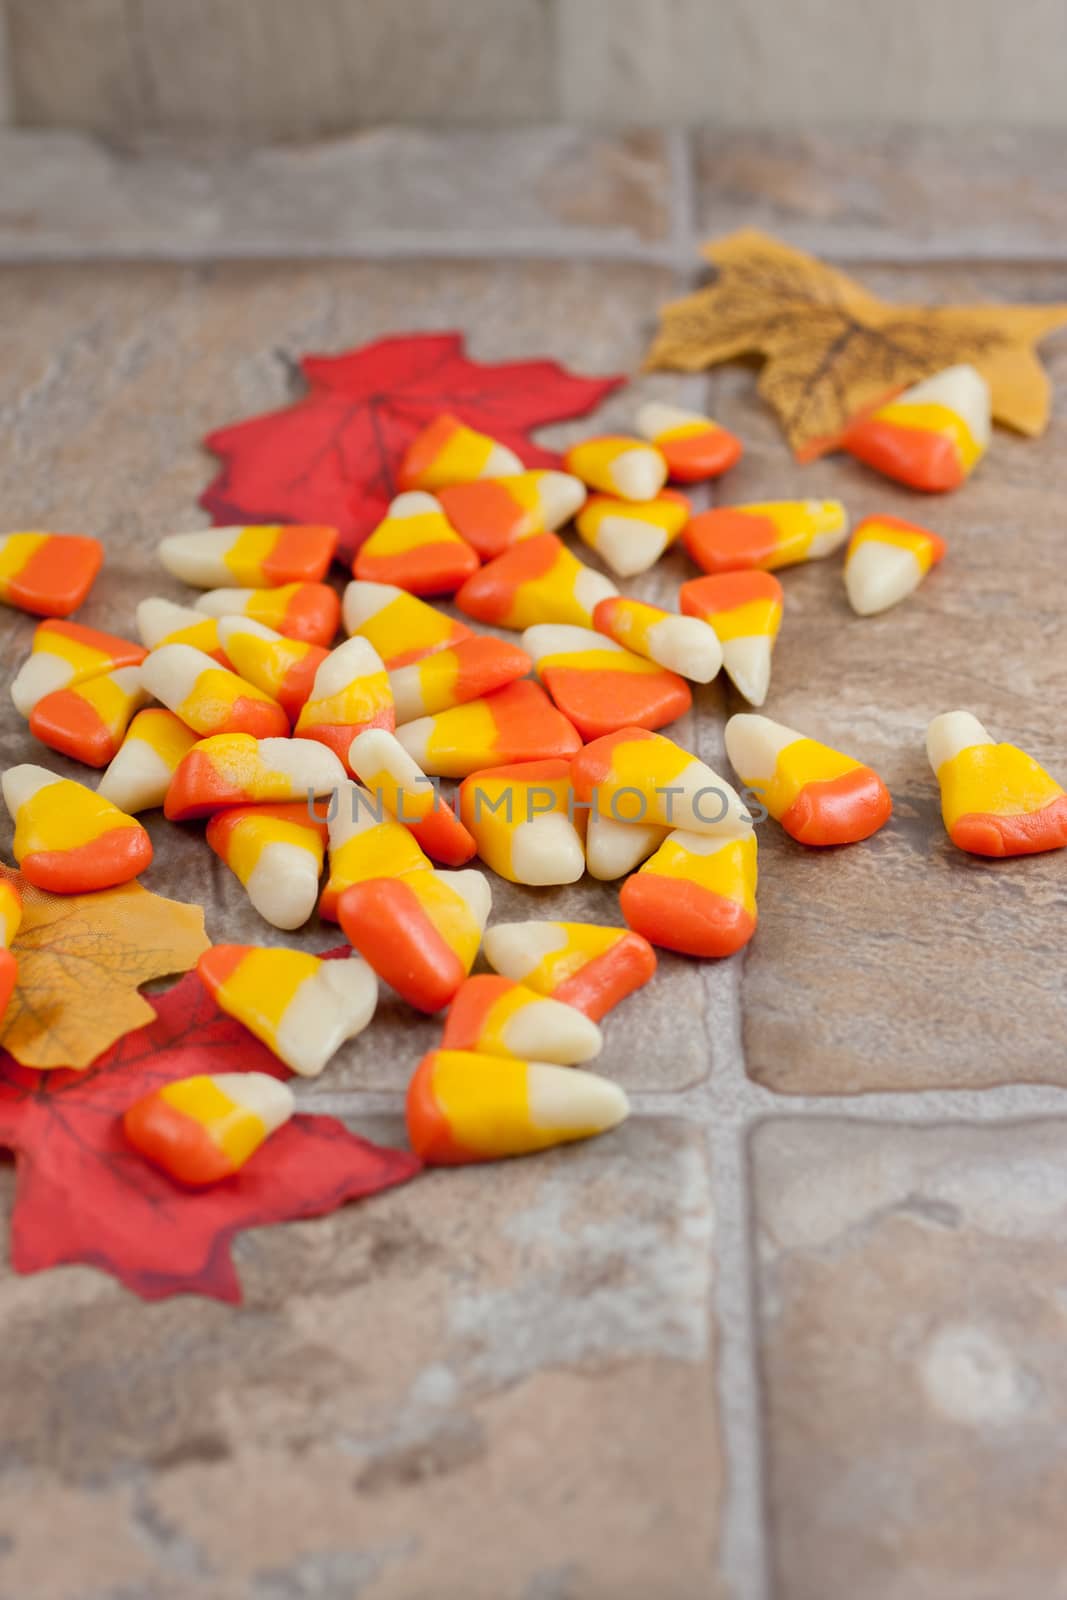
{"x": 498, "y": 1017}
{"x": 140, "y": 773}
{"x": 351, "y": 692}
{"x": 308, "y": 611}
{"x": 10, "y": 922}
{"x": 819, "y": 796}
{"x": 932, "y": 436}
{"x": 236, "y": 769}
{"x": 69, "y": 840}
{"x": 696, "y": 894}
{"x": 523, "y": 822}
{"x": 581, "y": 964}
{"x": 693, "y": 446}
{"x": 88, "y": 721}
{"x": 745, "y": 611}
{"x": 995, "y": 799}
{"x": 492, "y": 514}
{"x": 629, "y": 468}
{"x": 538, "y": 580}
{"x": 420, "y": 932}
{"x": 637, "y": 776}
{"x": 384, "y": 767}
{"x": 300, "y": 1007}
{"x": 162, "y": 622}
{"x": 366, "y": 841}
{"x": 253, "y": 557}
{"x": 599, "y": 685}
{"x": 416, "y": 548}
{"x": 202, "y": 1130}
{"x": 517, "y": 723}
{"x": 66, "y": 653}
{"x": 210, "y": 699}
{"x": 630, "y": 536}
{"x": 446, "y": 451}
{"x": 48, "y": 574}
{"x": 686, "y": 645}
{"x": 886, "y": 560}
{"x": 766, "y": 535}
{"x": 277, "y": 852}
{"x": 401, "y": 627}
{"x": 469, "y": 670}
{"x": 463, "y": 1107}
{"x": 612, "y": 849}
{"x": 283, "y": 668}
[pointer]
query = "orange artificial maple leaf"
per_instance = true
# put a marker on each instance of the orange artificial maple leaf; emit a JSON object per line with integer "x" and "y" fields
{"x": 833, "y": 351}
{"x": 81, "y": 959}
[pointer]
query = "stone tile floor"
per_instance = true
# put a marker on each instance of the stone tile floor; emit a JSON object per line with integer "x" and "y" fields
{"x": 794, "y": 1333}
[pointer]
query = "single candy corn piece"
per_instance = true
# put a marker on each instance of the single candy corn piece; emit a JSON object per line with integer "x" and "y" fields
{"x": 69, "y": 840}
{"x": 308, "y": 611}
{"x": 419, "y": 932}
{"x": 930, "y": 437}
{"x": 446, "y": 451}
{"x": 236, "y": 769}
{"x": 765, "y": 535}
{"x": 88, "y": 722}
{"x": 886, "y": 560}
{"x": 693, "y": 446}
{"x": 401, "y": 627}
{"x": 140, "y": 773}
{"x": 384, "y": 767}
{"x": 745, "y": 611}
{"x": 65, "y": 653}
{"x": 467, "y": 671}
{"x": 536, "y": 581}
{"x": 599, "y": 685}
{"x": 696, "y": 895}
{"x": 498, "y": 1017}
{"x": 612, "y": 849}
{"x": 210, "y": 699}
{"x": 277, "y": 853}
{"x": 202, "y": 1130}
{"x": 636, "y": 776}
{"x": 162, "y": 622}
{"x": 300, "y": 1007}
{"x": 254, "y": 557}
{"x": 630, "y": 536}
{"x": 616, "y": 465}
{"x": 366, "y": 841}
{"x": 517, "y": 723}
{"x": 351, "y": 692}
{"x": 464, "y": 1107}
{"x": 283, "y": 668}
{"x": 685, "y": 645}
{"x": 580, "y": 964}
{"x": 820, "y": 796}
{"x": 48, "y": 574}
{"x": 492, "y": 514}
{"x": 10, "y": 921}
{"x": 522, "y": 820}
{"x": 416, "y": 548}
{"x": 995, "y": 799}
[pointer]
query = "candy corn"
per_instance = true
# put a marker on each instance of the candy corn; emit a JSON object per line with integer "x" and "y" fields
{"x": 400, "y": 627}
{"x": 69, "y": 840}
{"x": 277, "y": 853}
{"x": 517, "y": 723}
{"x": 466, "y": 671}
{"x": 65, "y": 653}
{"x": 536, "y": 581}
{"x": 10, "y": 921}
{"x": 210, "y": 699}
{"x": 615, "y": 465}
{"x": 308, "y": 611}
{"x": 351, "y": 692}
{"x": 235, "y": 769}
{"x": 886, "y": 560}
{"x": 162, "y": 622}
{"x": 685, "y": 645}
{"x": 579, "y": 963}
{"x": 697, "y": 894}
{"x": 630, "y": 536}
{"x": 637, "y": 776}
{"x": 820, "y": 796}
{"x": 283, "y": 668}
{"x": 995, "y": 799}
{"x": 497, "y": 1017}
{"x": 416, "y": 548}
{"x": 366, "y": 841}
{"x": 599, "y": 685}
{"x": 523, "y": 822}
{"x": 202, "y": 1130}
{"x": 692, "y": 445}
{"x": 254, "y": 558}
{"x": 745, "y": 611}
{"x": 300, "y": 1007}
{"x": 773, "y": 533}
{"x": 48, "y": 574}
{"x": 419, "y": 932}
{"x": 446, "y": 451}
{"x": 88, "y": 722}
{"x": 463, "y": 1107}
{"x": 151, "y": 753}
{"x": 612, "y": 849}
{"x": 384, "y": 767}
{"x": 930, "y": 437}
{"x": 495, "y": 513}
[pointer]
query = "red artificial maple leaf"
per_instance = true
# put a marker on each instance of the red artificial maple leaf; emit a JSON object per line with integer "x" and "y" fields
{"x": 333, "y": 456}
{"x": 83, "y": 1194}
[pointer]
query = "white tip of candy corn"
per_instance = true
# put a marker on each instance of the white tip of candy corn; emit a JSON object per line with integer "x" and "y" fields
{"x": 687, "y": 646}
{"x": 546, "y": 850}
{"x": 309, "y": 764}
{"x": 137, "y": 779}
{"x": 640, "y": 473}
{"x": 158, "y": 618}
{"x": 878, "y": 576}
{"x": 612, "y": 849}
{"x": 334, "y": 1005}
{"x": 628, "y": 546}
{"x": 363, "y": 600}
{"x": 548, "y": 1030}
{"x": 415, "y": 503}
{"x": 748, "y": 666}
{"x": 38, "y": 675}
{"x": 268, "y": 1098}
{"x": 961, "y": 389}
{"x": 197, "y": 557}
{"x": 591, "y": 587}
{"x": 560, "y": 638}
{"x": 654, "y": 418}
{"x": 242, "y": 627}
{"x": 170, "y": 672}
{"x": 562, "y": 495}
{"x": 283, "y": 886}
{"x": 21, "y": 783}
{"x": 474, "y": 888}
{"x": 515, "y": 948}
{"x": 223, "y": 602}
{"x": 415, "y": 737}
{"x": 356, "y": 658}
{"x": 568, "y": 1100}
{"x": 753, "y": 744}
{"x": 950, "y": 733}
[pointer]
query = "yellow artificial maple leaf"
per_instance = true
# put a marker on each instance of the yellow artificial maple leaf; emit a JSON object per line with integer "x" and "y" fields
{"x": 833, "y": 351}
{"x": 81, "y": 959}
